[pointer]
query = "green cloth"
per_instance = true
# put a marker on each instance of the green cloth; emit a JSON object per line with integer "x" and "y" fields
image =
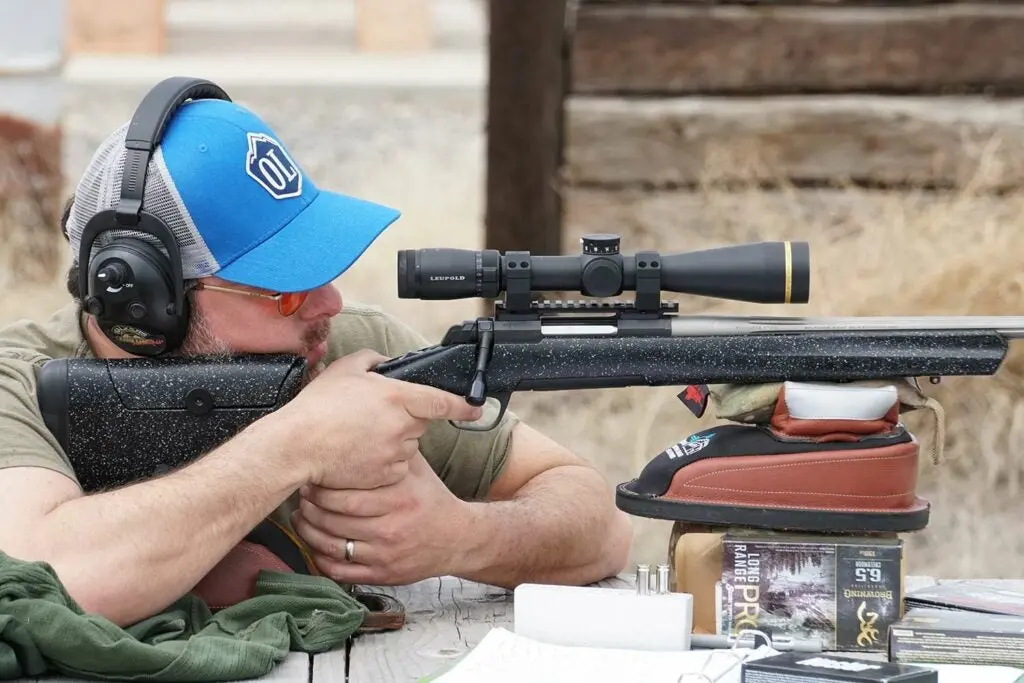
{"x": 43, "y": 631}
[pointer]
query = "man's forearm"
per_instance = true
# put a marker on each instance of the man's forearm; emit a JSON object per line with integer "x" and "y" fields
{"x": 128, "y": 553}
{"x": 560, "y": 528}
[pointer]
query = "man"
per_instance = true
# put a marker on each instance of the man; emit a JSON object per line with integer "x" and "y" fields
{"x": 367, "y": 470}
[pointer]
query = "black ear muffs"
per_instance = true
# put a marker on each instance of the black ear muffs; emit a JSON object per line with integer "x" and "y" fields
{"x": 131, "y": 291}
{"x": 135, "y": 291}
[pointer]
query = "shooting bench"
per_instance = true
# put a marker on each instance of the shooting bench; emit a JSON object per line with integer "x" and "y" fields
{"x": 445, "y": 617}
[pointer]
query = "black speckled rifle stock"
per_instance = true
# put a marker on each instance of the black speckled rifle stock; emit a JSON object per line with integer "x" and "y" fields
{"x": 120, "y": 421}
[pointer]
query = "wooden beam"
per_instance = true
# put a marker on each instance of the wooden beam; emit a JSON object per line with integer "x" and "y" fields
{"x": 686, "y": 220}
{"x": 733, "y": 49}
{"x": 524, "y": 110}
{"x": 117, "y": 26}
{"x": 394, "y": 25}
{"x": 874, "y": 140}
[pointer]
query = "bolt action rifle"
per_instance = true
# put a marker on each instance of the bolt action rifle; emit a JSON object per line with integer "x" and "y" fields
{"x": 531, "y": 345}
{"x": 122, "y": 420}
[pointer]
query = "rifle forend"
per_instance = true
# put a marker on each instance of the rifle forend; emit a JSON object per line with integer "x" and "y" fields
{"x": 533, "y": 345}
{"x": 488, "y": 359}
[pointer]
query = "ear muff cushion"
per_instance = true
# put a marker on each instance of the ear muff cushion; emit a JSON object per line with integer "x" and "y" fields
{"x": 154, "y": 288}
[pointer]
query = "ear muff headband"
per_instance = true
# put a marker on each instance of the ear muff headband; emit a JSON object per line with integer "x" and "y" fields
{"x": 136, "y": 293}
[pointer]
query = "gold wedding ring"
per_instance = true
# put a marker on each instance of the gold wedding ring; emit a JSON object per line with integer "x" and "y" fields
{"x": 350, "y": 550}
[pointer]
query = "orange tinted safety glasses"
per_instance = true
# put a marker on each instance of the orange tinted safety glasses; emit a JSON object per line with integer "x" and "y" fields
{"x": 287, "y": 302}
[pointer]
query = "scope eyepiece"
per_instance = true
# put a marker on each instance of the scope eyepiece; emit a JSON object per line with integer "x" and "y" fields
{"x": 448, "y": 273}
{"x": 760, "y": 272}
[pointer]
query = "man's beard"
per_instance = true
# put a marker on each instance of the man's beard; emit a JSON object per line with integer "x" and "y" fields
{"x": 314, "y": 336}
{"x": 201, "y": 341}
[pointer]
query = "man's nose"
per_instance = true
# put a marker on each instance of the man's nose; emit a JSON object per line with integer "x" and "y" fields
{"x": 322, "y": 302}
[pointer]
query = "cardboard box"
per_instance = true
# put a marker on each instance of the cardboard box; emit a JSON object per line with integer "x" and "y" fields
{"x": 794, "y": 667}
{"x": 941, "y": 636}
{"x": 851, "y": 591}
{"x": 696, "y": 560}
{"x": 845, "y": 590}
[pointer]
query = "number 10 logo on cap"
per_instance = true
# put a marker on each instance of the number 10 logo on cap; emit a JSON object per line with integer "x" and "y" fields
{"x": 269, "y": 165}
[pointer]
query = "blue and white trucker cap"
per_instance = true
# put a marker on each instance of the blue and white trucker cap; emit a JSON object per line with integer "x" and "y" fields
{"x": 239, "y": 205}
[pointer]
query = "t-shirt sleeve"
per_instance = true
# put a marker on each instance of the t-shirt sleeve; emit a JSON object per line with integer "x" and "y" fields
{"x": 467, "y": 462}
{"x": 24, "y": 437}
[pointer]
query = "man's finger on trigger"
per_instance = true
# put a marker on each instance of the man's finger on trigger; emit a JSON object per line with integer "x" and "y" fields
{"x": 428, "y": 403}
{"x": 460, "y": 409}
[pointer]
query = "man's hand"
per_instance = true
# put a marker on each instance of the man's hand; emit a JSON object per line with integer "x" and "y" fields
{"x": 402, "y": 532}
{"x": 355, "y": 429}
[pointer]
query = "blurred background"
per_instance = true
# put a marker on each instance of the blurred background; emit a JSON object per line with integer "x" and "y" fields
{"x": 890, "y": 138}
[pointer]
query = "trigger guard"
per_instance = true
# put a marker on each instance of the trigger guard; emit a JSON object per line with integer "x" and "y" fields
{"x": 499, "y": 412}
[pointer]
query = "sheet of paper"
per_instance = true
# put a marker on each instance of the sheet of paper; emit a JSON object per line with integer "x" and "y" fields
{"x": 504, "y": 657}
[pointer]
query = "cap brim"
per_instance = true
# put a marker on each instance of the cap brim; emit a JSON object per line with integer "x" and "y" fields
{"x": 317, "y": 246}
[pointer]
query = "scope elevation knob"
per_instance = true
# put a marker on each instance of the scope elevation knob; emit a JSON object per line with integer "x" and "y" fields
{"x": 600, "y": 244}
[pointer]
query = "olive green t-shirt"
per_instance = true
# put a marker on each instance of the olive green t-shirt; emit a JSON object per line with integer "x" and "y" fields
{"x": 467, "y": 462}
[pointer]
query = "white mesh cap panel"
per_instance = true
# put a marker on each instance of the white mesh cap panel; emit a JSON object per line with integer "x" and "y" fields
{"x": 100, "y": 189}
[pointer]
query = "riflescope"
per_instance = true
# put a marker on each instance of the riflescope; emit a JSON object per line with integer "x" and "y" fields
{"x": 759, "y": 272}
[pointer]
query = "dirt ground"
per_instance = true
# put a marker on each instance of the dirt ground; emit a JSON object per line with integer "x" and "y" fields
{"x": 901, "y": 254}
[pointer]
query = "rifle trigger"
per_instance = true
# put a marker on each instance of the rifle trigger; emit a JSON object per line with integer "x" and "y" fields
{"x": 485, "y": 342}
